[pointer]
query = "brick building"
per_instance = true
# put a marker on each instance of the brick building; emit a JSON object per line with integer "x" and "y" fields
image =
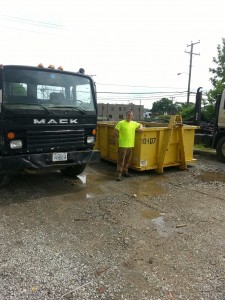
{"x": 117, "y": 112}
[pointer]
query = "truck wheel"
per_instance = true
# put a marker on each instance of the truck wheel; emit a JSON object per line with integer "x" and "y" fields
{"x": 4, "y": 180}
{"x": 220, "y": 150}
{"x": 74, "y": 170}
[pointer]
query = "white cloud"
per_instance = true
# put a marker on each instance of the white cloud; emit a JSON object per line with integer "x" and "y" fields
{"x": 136, "y": 42}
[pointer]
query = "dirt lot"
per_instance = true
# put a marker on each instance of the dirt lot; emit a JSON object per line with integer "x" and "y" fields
{"x": 159, "y": 237}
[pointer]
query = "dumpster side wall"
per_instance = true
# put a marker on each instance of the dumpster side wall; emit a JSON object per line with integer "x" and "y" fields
{"x": 154, "y": 146}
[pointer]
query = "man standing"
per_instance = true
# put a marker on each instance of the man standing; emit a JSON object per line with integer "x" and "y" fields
{"x": 125, "y": 131}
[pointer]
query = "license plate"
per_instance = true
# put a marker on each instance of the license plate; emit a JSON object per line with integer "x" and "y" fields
{"x": 59, "y": 156}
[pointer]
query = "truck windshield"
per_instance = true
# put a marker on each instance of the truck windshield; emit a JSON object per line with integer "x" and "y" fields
{"x": 54, "y": 90}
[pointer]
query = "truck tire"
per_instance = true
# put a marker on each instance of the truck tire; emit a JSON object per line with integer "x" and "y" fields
{"x": 4, "y": 180}
{"x": 220, "y": 149}
{"x": 73, "y": 171}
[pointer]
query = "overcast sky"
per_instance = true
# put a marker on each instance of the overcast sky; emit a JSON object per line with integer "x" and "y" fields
{"x": 130, "y": 46}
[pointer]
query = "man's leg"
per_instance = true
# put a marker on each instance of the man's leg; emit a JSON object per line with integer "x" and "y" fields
{"x": 127, "y": 160}
{"x": 120, "y": 162}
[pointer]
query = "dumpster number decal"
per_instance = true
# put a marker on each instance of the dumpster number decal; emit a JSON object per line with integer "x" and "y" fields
{"x": 148, "y": 141}
{"x": 143, "y": 163}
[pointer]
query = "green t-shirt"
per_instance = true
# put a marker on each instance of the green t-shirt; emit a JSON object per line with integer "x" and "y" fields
{"x": 127, "y": 133}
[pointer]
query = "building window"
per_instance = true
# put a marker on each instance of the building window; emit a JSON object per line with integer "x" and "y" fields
{"x": 112, "y": 108}
{"x": 120, "y": 116}
{"x": 120, "y": 108}
{"x": 110, "y": 116}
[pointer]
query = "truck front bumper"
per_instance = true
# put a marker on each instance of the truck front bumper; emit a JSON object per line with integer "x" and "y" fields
{"x": 11, "y": 164}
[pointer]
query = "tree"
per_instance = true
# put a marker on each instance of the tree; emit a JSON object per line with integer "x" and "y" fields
{"x": 218, "y": 78}
{"x": 164, "y": 106}
{"x": 218, "y": 83}
{"x": 187, "y": 112}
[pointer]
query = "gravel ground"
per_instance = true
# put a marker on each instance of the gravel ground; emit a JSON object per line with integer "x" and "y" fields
{"x": 149, "y": 237}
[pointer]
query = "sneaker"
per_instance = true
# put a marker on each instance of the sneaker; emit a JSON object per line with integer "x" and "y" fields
{"x": 118, "y": 178}
{"x": 126, "y": 175}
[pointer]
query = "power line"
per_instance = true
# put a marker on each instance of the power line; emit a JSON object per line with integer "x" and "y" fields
{"x": 151, "y": 98}
{"x": 140, "y": 98}
{"x": 26, "y": 30}
{"x": 143, "y": 96}
{"x": 32, "y": 22}
{"x": 154, "y": 98}
{"x": 140, "y": 93}
{"x": 138, "y": 86}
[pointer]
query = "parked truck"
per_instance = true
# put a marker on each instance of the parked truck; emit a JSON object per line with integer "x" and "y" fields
{"x": 212, "y": 136}
{"x": 48, "y": 121}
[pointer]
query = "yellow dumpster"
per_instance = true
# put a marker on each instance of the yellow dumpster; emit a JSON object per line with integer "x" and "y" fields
{"x": 156, "y": 147}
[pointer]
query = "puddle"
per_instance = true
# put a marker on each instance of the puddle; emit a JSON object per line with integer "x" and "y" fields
{"x": 98, "y": 178}
{"x": 84, "y": 187}
{"x": 150, "y": 214}
{"x": 88, "y": 186}
{"x": 161, "y": 228}
{"x": 158, "y": 222}
{"x": 89, "y": 196}
{"x": 148, "y": 188}
{"x": 212, "y": 176}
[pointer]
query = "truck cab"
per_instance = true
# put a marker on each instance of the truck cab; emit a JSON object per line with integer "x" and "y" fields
{"x": 219, "y": 132}
{"x": 221, "y": 112}
{"x": 48, "y": 120}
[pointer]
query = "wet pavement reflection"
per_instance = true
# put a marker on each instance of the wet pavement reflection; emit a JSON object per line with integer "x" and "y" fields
{"x": 212, "y": 176}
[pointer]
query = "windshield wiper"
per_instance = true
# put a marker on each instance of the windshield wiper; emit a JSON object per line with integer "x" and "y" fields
{"x": 29, "y": 104}
{"x": 72, "y": 107}
{"x": 45, "y": 108}
{"x": 80, "y": 109}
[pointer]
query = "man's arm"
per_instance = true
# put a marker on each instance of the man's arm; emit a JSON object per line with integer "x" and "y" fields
{"x": 115, "y": 132}
{"x": 139, "y": 129}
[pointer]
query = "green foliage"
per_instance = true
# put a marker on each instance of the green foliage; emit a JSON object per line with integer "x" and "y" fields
{"x": 204, "y": 148}
{"x": 164, "y": 106}
{"x": 218, "y": 78}
{"x": 208, "y": 113}
{"x": 218, "y": 83}
{"x": 187, "y": 112}
{"x": 219, "y": 71}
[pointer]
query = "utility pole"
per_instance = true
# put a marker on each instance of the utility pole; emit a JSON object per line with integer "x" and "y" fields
{"x": 172, "y": 108}
{"x": 140, "y": 118}
{"x": 190, "y": 67}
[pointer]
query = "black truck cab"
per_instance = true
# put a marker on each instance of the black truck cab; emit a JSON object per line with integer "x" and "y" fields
{"x": 48, "y": 121}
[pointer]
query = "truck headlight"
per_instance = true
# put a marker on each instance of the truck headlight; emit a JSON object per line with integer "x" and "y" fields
{"x": 90, "y": 140}
{"x": 16, "y": 144}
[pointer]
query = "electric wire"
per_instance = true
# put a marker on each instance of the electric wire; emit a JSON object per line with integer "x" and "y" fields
{"x": 32, "y": 22}
{"x": 22, "y": 29}
{"x": 138, "y": 93}
{"x": 150, "y": 96}
{"x": 138, "y": 86}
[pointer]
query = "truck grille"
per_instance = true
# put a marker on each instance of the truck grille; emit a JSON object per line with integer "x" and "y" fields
{"x": 57, "y": 139}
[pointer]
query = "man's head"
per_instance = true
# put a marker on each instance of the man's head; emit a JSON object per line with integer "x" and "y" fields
{"x": 129, "y": 115}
